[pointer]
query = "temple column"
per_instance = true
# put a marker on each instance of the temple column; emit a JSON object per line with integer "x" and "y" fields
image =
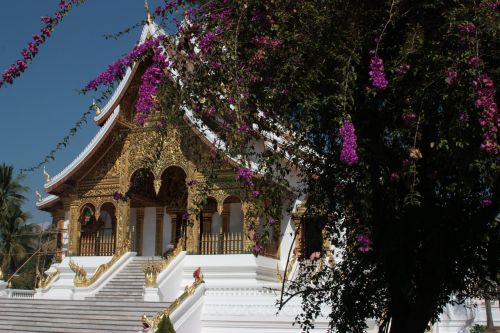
{"x": 193, "y": 228}
{"x": 139, "y": 229}
{"x": 247, "y": 208}
{"x": 122, "y": 216}
{"x": 160, "y": 211}
{"x": 74, "y": 227}
{"x": 58, "y": 217}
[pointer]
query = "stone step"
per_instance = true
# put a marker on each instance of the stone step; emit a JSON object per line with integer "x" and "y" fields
{"x": 53, "y": 302}
{"x": 86, "y": 310}
{"x": 111, "y": 319}
{"x": 120, "y": 294}
{"x": 114, "y": 287}
{"x": 70, "y": 313}
{"x": 67, "y": 327}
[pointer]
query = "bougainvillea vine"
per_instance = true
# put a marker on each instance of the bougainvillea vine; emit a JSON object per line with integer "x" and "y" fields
{"x": 28, "y": 54}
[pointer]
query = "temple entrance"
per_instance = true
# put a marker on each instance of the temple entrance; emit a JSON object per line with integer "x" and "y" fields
{"x": 158, "y": 210}
{"x": 221, "y": 234}
{"x": 97, "y": 237}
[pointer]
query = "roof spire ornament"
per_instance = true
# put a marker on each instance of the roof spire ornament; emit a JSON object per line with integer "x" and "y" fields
{"x": 46, "y": 175}
{"x": 38, "y": 196}
{"x": 148, "y": 13}
{"x": 96, "y": 107}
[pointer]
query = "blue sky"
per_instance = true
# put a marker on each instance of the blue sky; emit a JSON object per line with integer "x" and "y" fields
{"x": 40, "y": 107}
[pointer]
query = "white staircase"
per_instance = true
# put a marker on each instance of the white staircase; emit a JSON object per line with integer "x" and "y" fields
{"x": 126, "y": 285}
{"x": 67, "y": 316}
{"x": 117, "y": 307}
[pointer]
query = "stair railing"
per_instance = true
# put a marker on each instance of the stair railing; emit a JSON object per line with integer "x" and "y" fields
{"x": 153, "y": 268}
{"x": 150, "y": 325}
{"x": 82, "y": 281}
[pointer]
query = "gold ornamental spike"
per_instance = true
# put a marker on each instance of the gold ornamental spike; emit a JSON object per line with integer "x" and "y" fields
{"x": 46, "y": 175}
{"x": 157, "y": 185}
{"x": 148, "y": 13}
{"x": 38, "y": 196}
{"x": 96, "y": 108}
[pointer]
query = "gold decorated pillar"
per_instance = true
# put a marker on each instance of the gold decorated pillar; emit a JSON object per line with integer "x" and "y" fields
{"x": 73, "y": 226}
{"x": 299, "y": 239}
{"x": 58, "y": 217}
{"x": 248, "y": 218}
{"x": 159, "y": 231}
{"x": 193, "y": 224}
{"x": 122, "y": 220}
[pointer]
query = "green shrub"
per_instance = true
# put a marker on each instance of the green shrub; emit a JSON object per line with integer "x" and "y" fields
{"x": 477, "y": 329}
{"x": 165, "y": 326}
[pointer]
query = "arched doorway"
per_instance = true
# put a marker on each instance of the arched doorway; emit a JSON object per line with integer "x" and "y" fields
{"x": 222, "y": 234}
{"x": 173, "y": 195}
{"x": 97, "y": 236}
{"x": 142, "y": 211}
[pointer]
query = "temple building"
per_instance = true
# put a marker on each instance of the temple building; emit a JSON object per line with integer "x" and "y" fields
{"x": 125, "y": 263}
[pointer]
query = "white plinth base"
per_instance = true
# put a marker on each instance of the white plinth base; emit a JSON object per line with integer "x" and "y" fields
{"x": 3, "y": 286}
{"x": 151, "y": 295}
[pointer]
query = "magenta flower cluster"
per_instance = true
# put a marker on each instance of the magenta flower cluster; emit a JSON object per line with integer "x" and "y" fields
{"x": 365, "y": 244}
{"x": 467, "y": 28}
{"x": 348, "y": 154}
{"x": 267, "y": 42}
{"x": 377, "y": 73}
{"x": 206, "y": 42}
{"x": 489, "y": 120}
{"x": 245, "y": 173}
{"x": 15, "y": 70}
{"x": 244, "y": 129}
{"x": 257, "y": 249}
{"x": 150, "y": 80}
{"x": 162, "y": 10}
{"x": 451, "y": 77}
{"x": 117, "y": 70}
{"x": 486, "y": 202}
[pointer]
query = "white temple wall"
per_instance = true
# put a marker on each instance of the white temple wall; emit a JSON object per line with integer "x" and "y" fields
{"x": 235, "y": 218}
{"x": 216, "y": 223}
{"x": 287, "y": 234}
{"x": 133, "y": 225}
{"x": 149, "y": 231}
{"x": 65, "y": 237}
{"x": 167, "y": 231}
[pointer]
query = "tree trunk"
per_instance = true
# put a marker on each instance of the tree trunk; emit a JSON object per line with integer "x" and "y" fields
{"x": 489, "y": 314}
{"x": 412, "y": 323}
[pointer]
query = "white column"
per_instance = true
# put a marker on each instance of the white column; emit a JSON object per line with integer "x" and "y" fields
{"x": 149, "y": 230}
{"x": 167, "y": 231}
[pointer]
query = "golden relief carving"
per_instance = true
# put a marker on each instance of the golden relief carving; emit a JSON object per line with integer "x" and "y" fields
{"x": 45, "y": 281}
{"x": 152, "y": 324}
{"x": 155, "y": 151}
{"x": 81, "y": 279}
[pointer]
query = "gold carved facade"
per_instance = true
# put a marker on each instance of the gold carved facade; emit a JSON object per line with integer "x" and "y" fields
{"x": 145, "y": 148}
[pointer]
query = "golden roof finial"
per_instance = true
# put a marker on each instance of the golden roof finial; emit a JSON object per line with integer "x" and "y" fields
{"x": 96, "y": 107}
{"x": 46, "y": 175}
{"x": 148, "y": 13}
{"x": 38, "y": 196}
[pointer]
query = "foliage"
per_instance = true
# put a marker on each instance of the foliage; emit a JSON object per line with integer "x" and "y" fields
{"x": 383, "y": 112}
{"x": 28, "y": 54}
{"x": 16, "y": 238}
{"x": 477, "y": 329}
{"x": 388, "y": 110}
{"x": 165, "y": 326}
{"x": 10, "y": 187}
